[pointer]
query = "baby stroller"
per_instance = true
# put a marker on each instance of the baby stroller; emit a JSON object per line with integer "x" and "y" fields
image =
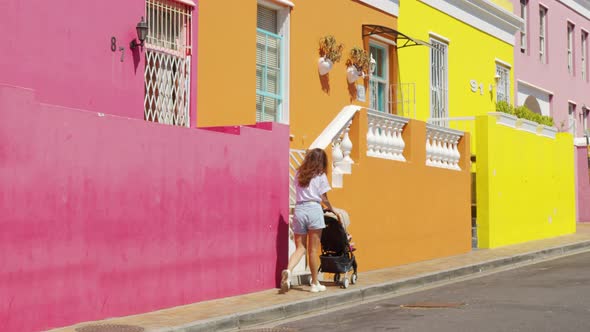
{"x": 337, "y": 256}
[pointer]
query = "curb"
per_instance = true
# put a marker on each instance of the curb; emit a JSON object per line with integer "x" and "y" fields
{"x": 361, "y": 294}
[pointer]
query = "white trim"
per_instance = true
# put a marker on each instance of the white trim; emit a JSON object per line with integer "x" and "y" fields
{"x": 439, "y": 37}
{"x": 286, "y": 3}
{"x": 503, "y": 63}
{"x": 388, "y": 6}
{"x": 534, "y": 87}
{"x": 483, "y": 15}
{"x": 383, "y": 40}
{"x": 572, "y": 102}
{"x": 186, "y": 2}
{"x": 335, "y": 127}
{"x": 580, "y": 141}
{"x": 582, "y": 7}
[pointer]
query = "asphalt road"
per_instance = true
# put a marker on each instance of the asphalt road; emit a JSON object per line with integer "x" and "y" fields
{"x": 549, "y": 296}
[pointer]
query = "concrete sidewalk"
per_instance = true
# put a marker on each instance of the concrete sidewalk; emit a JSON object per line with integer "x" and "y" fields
{"x": 252, "y": 309}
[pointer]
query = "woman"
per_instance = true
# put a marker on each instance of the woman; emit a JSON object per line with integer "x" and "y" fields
{"x": 311, "y": 184}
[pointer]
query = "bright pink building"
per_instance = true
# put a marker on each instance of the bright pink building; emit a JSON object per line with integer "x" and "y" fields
{"x": 103, "y": 212}
{"x": 553, "y": 74}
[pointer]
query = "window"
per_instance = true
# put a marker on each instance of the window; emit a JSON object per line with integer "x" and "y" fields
{"x": 503, "y": 88}
{"x": 584, "y": 55}
{"x": 585, "y": 120}
{"x": 570, "y": 48}
{"x": 168, "y": 62}
{"x": 268, "y": 66}
{"x": 438, "y": 79}
{"x": 543, "y": 34}
{"x": 379, "y": 80}
{"x": 572, "y": 118}
{"x": 524, "y": 31}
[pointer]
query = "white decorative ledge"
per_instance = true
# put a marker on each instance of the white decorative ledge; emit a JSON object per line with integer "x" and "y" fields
{"x": 504, "y": 119}
{"x": 384, "y": 135}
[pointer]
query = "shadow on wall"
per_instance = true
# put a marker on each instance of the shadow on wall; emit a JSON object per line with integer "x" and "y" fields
{"x": 282, "y": 245}
{"x": 325, "y": 82}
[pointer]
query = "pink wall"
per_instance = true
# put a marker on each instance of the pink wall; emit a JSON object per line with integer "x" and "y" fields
{"x": 105, "y": 216}
{"x": 582, "y": 184}
{"x": 554, "y": 76}
{"x": 62, "y": 50}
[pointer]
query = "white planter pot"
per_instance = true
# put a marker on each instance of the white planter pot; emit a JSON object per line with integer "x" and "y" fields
{"x": 353, "y": 74}
{"x": 324, "y": 66}
{"x": 527, "y": 125}
{"x": 504, "y": 119}
{"x": 546, "y": 131}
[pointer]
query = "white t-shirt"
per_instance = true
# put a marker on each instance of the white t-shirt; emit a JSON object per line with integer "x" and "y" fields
{"x": 313, "y": 193}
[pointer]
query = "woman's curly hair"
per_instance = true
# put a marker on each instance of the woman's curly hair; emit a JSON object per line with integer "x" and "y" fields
{"x": 315, "y": 163}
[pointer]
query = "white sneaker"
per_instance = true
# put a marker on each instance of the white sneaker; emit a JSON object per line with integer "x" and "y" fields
{"x": 317, "y": 288}
{"x": 285, "y": 281}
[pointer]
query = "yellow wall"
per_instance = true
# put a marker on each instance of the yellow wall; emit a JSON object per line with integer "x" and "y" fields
{"x": 506, "y": 4}
{"x": 471, "y": 56}
{"x": 525, "y": 185}
{"x": 316, "y": 100}
{"x": 226, "y": 55}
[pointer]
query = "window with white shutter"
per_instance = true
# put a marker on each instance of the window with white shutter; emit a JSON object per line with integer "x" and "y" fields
{"x": 269, "y": 96}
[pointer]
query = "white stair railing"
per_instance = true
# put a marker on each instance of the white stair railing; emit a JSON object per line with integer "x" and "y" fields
{"x": 384, "y": 135}
{"x": 336, "y": 135}
{"x": 441, "y": 147}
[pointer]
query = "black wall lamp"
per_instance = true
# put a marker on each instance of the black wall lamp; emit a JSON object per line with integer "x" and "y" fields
{"x": 142, "y": 31}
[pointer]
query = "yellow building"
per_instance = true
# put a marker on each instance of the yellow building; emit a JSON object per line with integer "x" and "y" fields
{"x": 469, "y": 64}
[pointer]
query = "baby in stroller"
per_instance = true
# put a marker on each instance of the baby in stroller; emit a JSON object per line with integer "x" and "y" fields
{"x": 337, "y": 252}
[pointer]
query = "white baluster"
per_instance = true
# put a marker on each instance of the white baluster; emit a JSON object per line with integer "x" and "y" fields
{"x": 346, "y": 146}
{"x": 379, "y": 141}
{"x": 456, "y": 153}
{"x": 445, "y": 151}
{"x": 437, "y": 150}
{"x": 390, "y": 139}
{"x": 400, "y": 138}
{"x": 371, "y": 137}
{"x": 337, "y": 155}
{"x": 429, "y": 148}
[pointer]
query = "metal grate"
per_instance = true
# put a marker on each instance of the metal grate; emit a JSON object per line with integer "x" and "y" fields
{"x": 503, "y": 89}
{"x": 110, "y": 328}
{"x": 168, "y": 63}
{"x": 438, "y": 80}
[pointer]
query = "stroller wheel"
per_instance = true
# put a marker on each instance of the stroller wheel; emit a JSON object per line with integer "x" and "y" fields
{"x": 345, "y": 283}
{"x": 336, "y": 278}
{"x": 353, "y": 278}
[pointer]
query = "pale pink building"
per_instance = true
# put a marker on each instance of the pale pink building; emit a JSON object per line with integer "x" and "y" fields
{"x": 552, "y": 74}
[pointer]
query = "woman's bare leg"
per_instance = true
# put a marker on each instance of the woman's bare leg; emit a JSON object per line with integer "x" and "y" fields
{"x": 300, "y": 248}
{"x": 315, "y": 236}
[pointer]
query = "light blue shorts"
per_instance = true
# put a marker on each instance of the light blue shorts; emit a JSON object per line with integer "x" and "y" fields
{"x": 308, "y": 216}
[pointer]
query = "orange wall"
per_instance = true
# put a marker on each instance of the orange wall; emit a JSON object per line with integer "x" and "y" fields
{"x": 226, "y": 77}
{"x": 312, "y": 108}
{"x": 403, "y": 212}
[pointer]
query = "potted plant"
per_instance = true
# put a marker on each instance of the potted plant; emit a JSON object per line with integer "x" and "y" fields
{"x": 527, "y": 120}
{"x": 358, "y": 64}
{"x": 505, "y": 114}
{"x": 330, "y": 53}
{"x": 546, "y": 127}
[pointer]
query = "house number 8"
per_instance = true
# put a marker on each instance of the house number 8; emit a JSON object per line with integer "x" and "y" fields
{"x": 113, "y": 44}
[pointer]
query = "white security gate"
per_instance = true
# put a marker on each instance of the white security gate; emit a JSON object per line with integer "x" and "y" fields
{"x": 168, "y": 62}
{"x": 438, "y": 80}
{"x": 295, "y": 160}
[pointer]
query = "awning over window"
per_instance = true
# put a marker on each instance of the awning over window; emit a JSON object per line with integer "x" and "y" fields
{"x": 399, "y": 38}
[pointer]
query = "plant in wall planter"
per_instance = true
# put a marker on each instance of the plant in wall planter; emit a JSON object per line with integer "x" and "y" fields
{"x": 358, "y": 64}
{"x": 330, "y": 53}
